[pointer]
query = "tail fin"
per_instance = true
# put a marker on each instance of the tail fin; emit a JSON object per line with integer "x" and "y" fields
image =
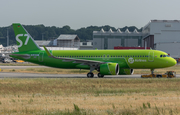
{"x": 24, "y": 40}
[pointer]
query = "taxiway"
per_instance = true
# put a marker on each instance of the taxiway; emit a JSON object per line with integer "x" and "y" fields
{"x": 37, "y": 75}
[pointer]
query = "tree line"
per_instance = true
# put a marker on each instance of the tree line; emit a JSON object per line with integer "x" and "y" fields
{"x": 41, "y": 32}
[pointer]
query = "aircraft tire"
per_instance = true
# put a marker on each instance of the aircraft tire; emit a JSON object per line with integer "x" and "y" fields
{"x": 159, "y": 76}
{"x": 90, "y": 75}
{"x": 100, "y": 75}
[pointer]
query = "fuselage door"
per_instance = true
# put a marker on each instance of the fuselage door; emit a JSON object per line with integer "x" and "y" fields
{"x": 151, "y": 56}
{"x": 41, "y": 54}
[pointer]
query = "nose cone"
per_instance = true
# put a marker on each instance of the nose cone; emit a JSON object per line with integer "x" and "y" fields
{"x": 172, "y": 62}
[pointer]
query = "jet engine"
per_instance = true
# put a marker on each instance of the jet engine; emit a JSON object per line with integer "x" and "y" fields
{"x": 126, "y": 71}
{"x": 109, "y": 69}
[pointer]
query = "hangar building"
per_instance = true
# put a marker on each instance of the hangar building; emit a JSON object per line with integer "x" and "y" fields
{"x": 63, "y": 42}
{"x": 163, "y": 35}
{"x": 109, "y": 39}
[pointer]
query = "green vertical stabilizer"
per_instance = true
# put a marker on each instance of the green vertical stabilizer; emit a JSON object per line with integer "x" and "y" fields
{"x": 23, "y": 38}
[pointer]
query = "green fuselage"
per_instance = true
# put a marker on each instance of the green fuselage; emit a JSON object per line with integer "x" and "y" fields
{"x": 106, "y": 62}
{"x": 127, "y": 59}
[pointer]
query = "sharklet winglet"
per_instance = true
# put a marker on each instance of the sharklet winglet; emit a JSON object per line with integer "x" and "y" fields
{"x": 47, "y": 51}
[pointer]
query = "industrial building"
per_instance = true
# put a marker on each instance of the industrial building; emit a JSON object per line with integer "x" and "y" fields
{"x": 70, "y": 41}
{"x": 63, "y": 42}
{"x": 86, "y": 45}
{"x": 109, "y": 39}
{"x": 161, "y": 35}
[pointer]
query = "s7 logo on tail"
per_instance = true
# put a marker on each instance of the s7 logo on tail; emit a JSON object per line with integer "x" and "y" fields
{"x": 20, "y": 41}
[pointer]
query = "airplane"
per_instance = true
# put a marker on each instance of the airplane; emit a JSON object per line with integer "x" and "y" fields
{"x": 106, "y": 62}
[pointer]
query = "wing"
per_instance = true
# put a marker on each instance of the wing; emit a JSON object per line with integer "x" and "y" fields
{"x": 84, "y": 62}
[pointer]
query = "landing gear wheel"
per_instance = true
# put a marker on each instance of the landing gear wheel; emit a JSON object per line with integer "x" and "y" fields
{"x": 100, "y": 75}
{"x": 90, "y": 75}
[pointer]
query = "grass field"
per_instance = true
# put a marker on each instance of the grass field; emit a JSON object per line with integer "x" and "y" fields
{"x": 83, "y": 96}
{"x": 89, "y": 96}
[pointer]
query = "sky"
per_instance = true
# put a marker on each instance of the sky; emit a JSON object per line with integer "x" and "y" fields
{"x": 84, "y": 13}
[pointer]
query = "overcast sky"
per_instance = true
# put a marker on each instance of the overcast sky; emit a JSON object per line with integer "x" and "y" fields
{"x": 84, "y": 13}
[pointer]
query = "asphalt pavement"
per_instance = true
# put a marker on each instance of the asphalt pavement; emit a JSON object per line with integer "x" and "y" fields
{"x": 37, "y": 75}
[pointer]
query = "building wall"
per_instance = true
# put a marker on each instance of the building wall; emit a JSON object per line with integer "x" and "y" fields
{"x": 65, "y": 43}
{"x": 162, "y": 35}
{"x": 163, "y": 30}
{"x": 131, "y": 42}
{"x": 98, "y": 43}
{"x": 113, "y": 42}
{"x": 149, "y": 41}
{"x": 86, "y": 45}
{"x": 109, "y": 40}
{"x": 171, "y": 48}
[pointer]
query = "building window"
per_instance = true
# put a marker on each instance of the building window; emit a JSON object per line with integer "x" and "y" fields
{"x": 84, "y": 43}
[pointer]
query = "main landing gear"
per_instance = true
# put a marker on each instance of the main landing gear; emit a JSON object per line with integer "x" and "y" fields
{"x": 100, "y": 75}
{"x": 91, "y": 75}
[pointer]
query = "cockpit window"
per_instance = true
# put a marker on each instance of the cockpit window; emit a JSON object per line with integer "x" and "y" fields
{"x": 164, "y": 56}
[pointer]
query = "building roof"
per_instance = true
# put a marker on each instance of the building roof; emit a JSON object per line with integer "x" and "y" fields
{"x": 110, "y": 31}
{"x": 102, "y": 30}
{"x": 119, "y": 31}
{"x": 127, "y": 31}
{"x": 42, "y": 42}
{"x": 135, "y": 31}
{"x": 161, "y": 21}
{"x": 68, "y": 37}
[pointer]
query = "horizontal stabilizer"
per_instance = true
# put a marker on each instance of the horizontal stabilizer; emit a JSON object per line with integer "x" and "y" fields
{"x": 25, "y": 56}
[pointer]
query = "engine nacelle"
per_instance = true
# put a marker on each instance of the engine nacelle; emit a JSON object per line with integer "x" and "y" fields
{"x": 109, "y": 69}
{"x": 126, "y": 71}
